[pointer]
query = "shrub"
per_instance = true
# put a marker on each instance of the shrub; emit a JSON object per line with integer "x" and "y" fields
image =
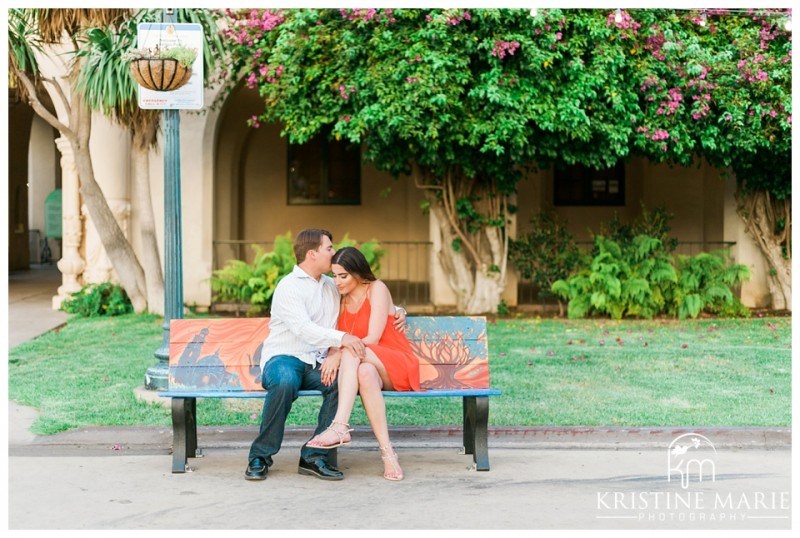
{"x": 633, "y": 273}
{"x": 654, "y": 223}
{"x": 546, "y": 254}
{"x": 642, "y": 280}
{"x": 704, "y": 284}
{"x": 621, "y": 281}
{"x": 94, "y": 300}
{"x": 254, "y": 283}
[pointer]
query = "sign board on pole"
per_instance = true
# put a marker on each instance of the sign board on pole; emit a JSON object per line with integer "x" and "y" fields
{"x": 165, "y": 35}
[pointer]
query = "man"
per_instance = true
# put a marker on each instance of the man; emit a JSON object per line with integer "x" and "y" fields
{"x": 305, "y": 307}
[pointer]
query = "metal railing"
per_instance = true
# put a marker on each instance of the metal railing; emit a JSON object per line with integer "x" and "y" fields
{"x": 404, "y": 266}
{"x": 528, "y": 293}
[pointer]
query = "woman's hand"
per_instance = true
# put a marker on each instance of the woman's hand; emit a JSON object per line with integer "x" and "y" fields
{"x": 355, "y": 345}
{"x": 330, "y": 366}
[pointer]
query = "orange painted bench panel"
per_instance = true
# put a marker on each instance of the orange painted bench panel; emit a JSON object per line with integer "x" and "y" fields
{"x": 223, "y": 354}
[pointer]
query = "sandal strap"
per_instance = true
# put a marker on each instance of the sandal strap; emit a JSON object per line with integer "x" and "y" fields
{"x": 391, "y": 456}
{"x": 340, "y": 433}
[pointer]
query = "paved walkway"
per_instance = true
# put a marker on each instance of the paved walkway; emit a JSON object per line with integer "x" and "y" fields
{"x": 540, "y": 478}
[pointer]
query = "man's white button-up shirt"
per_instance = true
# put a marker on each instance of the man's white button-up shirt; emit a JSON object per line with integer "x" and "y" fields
{"x": 303, "y": 318}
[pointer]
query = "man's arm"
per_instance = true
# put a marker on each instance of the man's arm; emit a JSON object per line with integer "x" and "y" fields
{"x": 400, "y": 315}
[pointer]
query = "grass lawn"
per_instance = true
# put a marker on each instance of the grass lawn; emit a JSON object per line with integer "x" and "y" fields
{"x": 552, "y": 372}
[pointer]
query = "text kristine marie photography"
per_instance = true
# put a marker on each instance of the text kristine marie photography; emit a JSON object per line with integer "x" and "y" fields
{"x": 691, "y": 493}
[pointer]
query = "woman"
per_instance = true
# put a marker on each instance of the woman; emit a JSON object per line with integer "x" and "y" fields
{"x": 366, "y": 311}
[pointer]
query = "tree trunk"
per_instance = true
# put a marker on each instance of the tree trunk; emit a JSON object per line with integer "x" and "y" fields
{"x": 154, "y": 277}
{"x": 761, "y": 213}
{"x": 477, "y": 282}
{"x": 117, "y": 247}
{"x": 78, "y": 131}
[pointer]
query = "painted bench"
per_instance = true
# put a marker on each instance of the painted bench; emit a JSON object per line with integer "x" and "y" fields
{"x": 219, "y": 358}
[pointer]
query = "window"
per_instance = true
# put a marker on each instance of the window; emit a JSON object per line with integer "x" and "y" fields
{"x": 579, "y": 185}
{"x": 324, "y": 171}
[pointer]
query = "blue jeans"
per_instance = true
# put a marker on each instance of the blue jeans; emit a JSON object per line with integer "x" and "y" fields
{"x": 283, "y": 376}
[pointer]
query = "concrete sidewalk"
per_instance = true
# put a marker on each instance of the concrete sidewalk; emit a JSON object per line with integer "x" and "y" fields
{"x": 540, "y": 478}
{"x": 30, "y": 303}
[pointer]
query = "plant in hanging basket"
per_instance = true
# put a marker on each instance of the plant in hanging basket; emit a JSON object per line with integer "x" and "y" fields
{"x": 160, "y": 69}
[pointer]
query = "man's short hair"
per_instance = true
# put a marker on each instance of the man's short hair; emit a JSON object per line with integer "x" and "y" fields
{"x": 308, "y": 239}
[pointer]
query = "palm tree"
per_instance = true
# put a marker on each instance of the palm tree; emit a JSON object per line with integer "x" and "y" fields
{"x": 104, "y": 84}
{"x": 30, "y": 31}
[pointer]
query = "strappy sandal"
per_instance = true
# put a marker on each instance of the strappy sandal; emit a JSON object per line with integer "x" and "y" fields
{"x": 391, "y": 456}
{"x": 341, "y": 434}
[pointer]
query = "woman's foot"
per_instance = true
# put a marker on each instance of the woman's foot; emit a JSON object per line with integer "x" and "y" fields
{"x": 335, "y": 435}
{"x": 391, "y": 467}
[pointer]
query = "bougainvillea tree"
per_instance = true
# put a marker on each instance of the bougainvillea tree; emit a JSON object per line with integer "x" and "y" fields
{"x": 465, "y": 100}
{"x": 462, "y": 100}
{"x": 717, "y": 85}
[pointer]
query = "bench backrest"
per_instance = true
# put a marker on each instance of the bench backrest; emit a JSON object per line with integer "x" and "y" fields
{"x": 224, "y": 353}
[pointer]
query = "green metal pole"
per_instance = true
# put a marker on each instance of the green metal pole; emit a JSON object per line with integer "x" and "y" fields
{"x": 157, "y": 377}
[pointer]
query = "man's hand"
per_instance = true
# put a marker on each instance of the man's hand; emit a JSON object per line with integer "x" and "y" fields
{"x": 400, "y": 318}
{"x": 330, "y": 366}
{"x": 355, "y": 345}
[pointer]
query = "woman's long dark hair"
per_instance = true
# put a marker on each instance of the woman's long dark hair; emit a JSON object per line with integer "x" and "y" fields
{"x": 354, "y": 263}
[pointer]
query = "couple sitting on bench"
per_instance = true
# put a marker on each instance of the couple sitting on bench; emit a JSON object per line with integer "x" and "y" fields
{"x": 341, "y": 336}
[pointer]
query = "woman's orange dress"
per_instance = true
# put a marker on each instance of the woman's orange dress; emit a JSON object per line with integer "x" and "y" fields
{"x": 393, "y": 349}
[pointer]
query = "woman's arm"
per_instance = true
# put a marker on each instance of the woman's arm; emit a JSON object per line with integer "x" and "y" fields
{"x": 380, "y": 300}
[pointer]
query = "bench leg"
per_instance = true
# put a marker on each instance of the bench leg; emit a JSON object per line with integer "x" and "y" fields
{"x": 184, "y": 432}
{"x": 476, "y": 430}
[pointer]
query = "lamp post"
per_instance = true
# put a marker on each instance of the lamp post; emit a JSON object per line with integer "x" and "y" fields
{"x": 157, "y": 376}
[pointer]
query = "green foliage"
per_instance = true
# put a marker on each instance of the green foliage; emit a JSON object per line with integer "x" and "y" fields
{"x": 105, "y": 299}
{"x": 547, "y": 253}
{"x": 653, "y": 223}
{"x": 639, "y": 278}
{"x": 502, "y": 308}
{"x": 626, "y": 280}
{"x": 254, "y": 283}
{"x": 464, "y": 99}
{"x": 185, "y": 55}
{"x": 722, "y": 91}
{"x": 705, "y": 284}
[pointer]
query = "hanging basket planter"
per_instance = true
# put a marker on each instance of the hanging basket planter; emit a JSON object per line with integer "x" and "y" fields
{"x": 160, "y": 74}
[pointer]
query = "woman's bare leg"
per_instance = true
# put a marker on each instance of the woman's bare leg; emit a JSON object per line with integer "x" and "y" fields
{"x": 348, "y": 389}
{"x": 370, "y": 386}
